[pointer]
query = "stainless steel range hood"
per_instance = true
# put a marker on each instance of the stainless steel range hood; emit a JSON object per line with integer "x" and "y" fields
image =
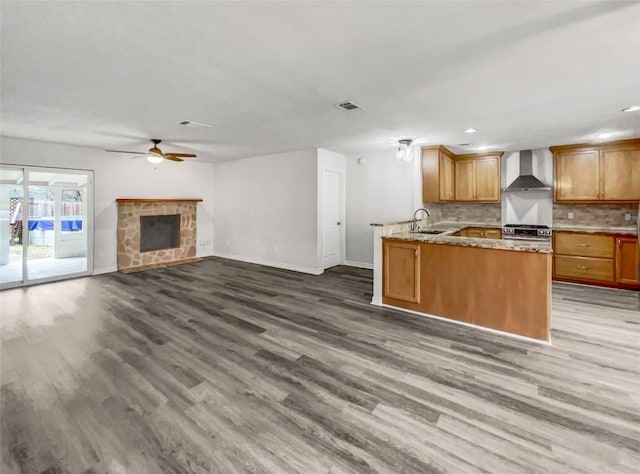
{"x": 526, "y": 181}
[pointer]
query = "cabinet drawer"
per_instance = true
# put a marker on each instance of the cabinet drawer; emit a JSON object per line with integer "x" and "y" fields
{"x": 583, "y": 268}
{"x": 583, "y": 245}
{"x": 492, "y": 234}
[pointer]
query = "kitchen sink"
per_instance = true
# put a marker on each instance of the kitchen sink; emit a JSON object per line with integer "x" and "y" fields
{"x": 430, "y": 232}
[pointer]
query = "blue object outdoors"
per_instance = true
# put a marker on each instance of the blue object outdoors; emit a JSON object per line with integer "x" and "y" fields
{"x": 69, "y": 223}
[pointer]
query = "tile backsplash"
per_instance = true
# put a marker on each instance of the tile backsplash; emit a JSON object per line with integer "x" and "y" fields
{"x": 595, "y": 215}
{"x": 488, "y": 213}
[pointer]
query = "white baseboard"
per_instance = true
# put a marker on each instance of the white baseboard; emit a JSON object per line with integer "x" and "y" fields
{"x": 376, "y": 301}
{"x": 351, "y": 263}
{"x": 269, "y": 263}
{"x": 474, "y": 326}
{"x": 100, "y": 271}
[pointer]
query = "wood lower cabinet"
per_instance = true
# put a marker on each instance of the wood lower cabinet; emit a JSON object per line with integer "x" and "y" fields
{"x": 584, "y": 245}
{"x": 401, "y": 279}
{"x": 627, "y": 261}
{"x": 601, "y": 259}
{"x": 484, "y": 287}
{"x": 597, "y": 173}
{"x": 584, "y": 268}
{"x": 481, "y": 232}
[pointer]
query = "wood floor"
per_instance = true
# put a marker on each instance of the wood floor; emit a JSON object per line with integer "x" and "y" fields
{"x": 221, "y": 366}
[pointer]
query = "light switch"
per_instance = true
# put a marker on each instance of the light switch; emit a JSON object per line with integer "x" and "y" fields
{"x": 570, "y": 215}
{"x": 627, "y": 216}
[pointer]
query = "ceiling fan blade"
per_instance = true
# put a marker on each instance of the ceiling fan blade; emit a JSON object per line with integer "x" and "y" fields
{"x": 122, "y": 151}
{"x": 182, "y": 155}
{"x": 170, "y": 157}
{"x": 140, "y": 155}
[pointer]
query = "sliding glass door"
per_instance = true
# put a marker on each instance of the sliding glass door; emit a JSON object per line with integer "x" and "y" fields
{"x": 46, "y": 219}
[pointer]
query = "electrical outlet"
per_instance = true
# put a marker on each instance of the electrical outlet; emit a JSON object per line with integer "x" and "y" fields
{"x": 627, "y": 216}
{"x": 570, "y": 215}
{"x": 226, "y": 242}
{"x": 275, "y": 248}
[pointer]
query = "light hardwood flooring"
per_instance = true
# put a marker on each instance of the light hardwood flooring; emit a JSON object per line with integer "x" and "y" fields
{"x": 221, "y": 366}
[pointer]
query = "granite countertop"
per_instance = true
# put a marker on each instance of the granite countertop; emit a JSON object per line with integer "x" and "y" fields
{"x": 447, "y": 238}
{"x": 606, "y": 230}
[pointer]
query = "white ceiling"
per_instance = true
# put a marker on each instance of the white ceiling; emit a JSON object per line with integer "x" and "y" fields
{"x": 266, "y": 75}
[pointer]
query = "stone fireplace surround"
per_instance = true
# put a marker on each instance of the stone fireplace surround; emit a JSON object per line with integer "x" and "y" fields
{"x": 130, "y": 259}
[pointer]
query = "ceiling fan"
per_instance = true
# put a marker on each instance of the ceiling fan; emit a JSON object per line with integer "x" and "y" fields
{"x": 155, "y": 154}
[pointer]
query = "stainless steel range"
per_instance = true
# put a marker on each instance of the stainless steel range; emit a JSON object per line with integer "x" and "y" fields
{"x": 526, "y": 232}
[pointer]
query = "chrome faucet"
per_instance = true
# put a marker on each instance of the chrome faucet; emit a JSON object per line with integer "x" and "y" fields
{"x": 414, "y": 222}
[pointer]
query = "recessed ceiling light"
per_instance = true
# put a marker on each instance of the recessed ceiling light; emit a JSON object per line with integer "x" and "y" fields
{"x": 471, "y": 130}
{"x": 631, "y": 108}
{"x": 483, "y": 147}
{"x": 604, "y": 136}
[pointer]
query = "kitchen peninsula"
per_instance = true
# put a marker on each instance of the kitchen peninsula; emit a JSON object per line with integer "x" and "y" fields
{"x": 503, "y": 285}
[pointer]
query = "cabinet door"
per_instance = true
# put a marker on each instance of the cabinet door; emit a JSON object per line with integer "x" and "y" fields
{"x": 465, "y": 180}
{"x": 578, "y": 176}
{"x": 627, "y": 260}
{"x": 446, "y": 178}
{"x": 401, "y": 272}
{"x": 620, "y": 175}
{"x": 488, "y": 179}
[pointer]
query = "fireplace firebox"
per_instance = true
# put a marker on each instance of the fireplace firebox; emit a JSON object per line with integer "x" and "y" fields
{"x": 159, "y": 232}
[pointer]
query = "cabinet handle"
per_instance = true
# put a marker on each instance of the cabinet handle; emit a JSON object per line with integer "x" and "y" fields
{"x": 583, "y": 245}
{"x": 415, "y": 253}
{"x": 582, "y": 268}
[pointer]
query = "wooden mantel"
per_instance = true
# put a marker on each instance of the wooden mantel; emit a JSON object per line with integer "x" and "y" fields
{"x": 157, "y": 200}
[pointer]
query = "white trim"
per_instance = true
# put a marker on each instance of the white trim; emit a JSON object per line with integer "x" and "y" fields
{"x": 100, "y": 271}
{"x": 351, "y": 263}
{"x": 269, "y": 263}
{"x": 475, "y": 326}
{"x": 376, "y": 301}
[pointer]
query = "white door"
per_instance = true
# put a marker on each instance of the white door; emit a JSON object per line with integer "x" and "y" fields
{"x": 331, "y": 217}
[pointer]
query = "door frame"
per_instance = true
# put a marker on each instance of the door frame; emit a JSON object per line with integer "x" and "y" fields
{"x": 25, "y": 228}
{"x": 342, "y": 206}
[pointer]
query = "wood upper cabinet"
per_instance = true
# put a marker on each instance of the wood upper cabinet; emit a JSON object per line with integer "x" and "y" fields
{"x": 449, "y": 177}
{"x": 620, "y": 174}
{"x": 627, "y": 260}
{"x": 488, "y": 179}
{"x": 447, "y": 173}
{"x": 437, "y": 174}
{"x": 607, "y": 172}
{"x": 401, "y": 279}
{"x": 478, "y": 179}
{"x": 465, "y": 180}
{"x": 578, "y": 175}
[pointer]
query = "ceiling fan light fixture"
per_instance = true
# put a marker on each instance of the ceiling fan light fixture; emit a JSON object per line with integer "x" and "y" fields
{"x": 405, "y": 152}
{"x": 155, "y": 159}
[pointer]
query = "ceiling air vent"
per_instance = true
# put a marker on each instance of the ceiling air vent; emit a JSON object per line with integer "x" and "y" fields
{"x": 192, "y": 123}
{"x": 349, "y": 106}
